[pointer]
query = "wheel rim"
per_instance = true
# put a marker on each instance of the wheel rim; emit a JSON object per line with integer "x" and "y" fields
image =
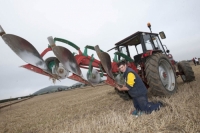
{"x": 167, "y": 75}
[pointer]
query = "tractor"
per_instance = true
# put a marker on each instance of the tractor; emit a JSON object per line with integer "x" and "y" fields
{"x": 143, "y": 52}
{"x": 146, "y": 55}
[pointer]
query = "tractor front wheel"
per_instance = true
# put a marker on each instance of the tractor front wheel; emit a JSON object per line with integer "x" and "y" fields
{"x": 160, "y": 75}
{"x": 185, "y": 68}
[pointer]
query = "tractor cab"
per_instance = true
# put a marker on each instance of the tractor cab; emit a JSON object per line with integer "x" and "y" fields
{"x": 139, "y": 45}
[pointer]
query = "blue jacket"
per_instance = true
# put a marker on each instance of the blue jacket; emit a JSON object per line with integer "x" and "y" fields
{"x": 139, "y": 88}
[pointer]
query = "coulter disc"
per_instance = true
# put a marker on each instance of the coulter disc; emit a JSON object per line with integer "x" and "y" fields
{"x": 94, "y": 77}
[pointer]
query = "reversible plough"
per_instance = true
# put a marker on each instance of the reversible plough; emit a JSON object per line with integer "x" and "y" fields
{"x": 65, "y": 61}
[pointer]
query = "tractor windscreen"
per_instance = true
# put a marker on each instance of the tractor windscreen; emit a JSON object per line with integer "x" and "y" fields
{"x": 152, "y": 42}
{"x": 157, "y": 42}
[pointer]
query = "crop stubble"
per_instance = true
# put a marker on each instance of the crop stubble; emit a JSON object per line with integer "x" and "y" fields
{"x": 100, "y": 109}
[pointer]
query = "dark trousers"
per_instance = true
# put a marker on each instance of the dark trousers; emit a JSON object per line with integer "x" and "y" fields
{"x": 194, "y": 62}
{"x": 141, "y": 104}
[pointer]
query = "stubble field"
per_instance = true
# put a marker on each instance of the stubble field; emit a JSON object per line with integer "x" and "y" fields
{"x": 100, "y": 110}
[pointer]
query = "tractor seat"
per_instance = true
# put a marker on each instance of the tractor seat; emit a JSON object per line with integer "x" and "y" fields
{"x": 137, "y": 58}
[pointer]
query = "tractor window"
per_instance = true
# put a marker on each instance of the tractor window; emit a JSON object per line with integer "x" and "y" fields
{"x": 123, "y": 50}
{"x": 148, "y": 43}
{"x": 139, "y": 49}
{"x": 156, "y": 42}
{"x": 133, "y": 50}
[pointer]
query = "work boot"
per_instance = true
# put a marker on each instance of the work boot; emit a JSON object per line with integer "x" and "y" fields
{"x": 161, "y": 104}
{"x": 136, "y": 113}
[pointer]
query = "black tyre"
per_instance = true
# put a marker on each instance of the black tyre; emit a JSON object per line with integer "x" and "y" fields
{"x": 185, "y": 68}
{"x": 50, "y": 62}
{"x": 160, "y": 75}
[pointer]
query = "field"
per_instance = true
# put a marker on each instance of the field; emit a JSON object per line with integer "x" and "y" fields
{"x": 100, "y": 110}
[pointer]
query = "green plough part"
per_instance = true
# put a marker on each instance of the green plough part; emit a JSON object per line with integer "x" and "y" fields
{"x": 101, "y": 74}
{"x": 67, "y": 42}
{"x": 115, "y": 58}
{"x": 89, "y": 47}
{"x": 90, "y": 65}
{"x": 124, "y": 56}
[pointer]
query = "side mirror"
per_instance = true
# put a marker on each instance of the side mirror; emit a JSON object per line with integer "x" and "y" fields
{"x": 167, "y": 51}
{"x": 162, "y": 34}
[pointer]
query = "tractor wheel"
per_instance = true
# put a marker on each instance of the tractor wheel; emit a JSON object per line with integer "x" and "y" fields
{"x": 186, "y": 69}
{"x": 160, "y": 75}
{"x": 50, "y": 62}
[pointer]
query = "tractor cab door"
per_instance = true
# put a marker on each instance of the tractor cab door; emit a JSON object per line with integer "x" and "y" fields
{"x": 136, "y": 52}
{"x": 124, "y": 54}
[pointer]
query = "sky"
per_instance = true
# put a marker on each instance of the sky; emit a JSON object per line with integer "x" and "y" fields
{"x": 90, "y": 22}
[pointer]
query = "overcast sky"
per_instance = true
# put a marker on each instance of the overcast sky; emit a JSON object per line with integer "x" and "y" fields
{"x": 90, "y": 22}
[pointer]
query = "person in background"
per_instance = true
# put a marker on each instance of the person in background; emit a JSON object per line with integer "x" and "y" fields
{"x": 137, "y": 90}
{"x": 196, "y": 60}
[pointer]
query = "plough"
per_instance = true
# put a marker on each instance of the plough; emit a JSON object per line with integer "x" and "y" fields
{"x": 64, "y": 62}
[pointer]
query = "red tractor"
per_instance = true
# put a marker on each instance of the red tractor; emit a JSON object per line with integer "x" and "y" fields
{"x": 146, "y": 55}
{"x": 143, "y": 52}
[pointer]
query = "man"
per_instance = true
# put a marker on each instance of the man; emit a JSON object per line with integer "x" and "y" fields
{"x": 194, "y": 61}
{"x": 137, "y": 90}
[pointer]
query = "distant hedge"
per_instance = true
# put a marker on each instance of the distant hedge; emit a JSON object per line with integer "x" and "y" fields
{"x": 12, "y": 99}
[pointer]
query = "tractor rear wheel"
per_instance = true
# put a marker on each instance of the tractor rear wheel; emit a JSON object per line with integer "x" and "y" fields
{"x": 160, "y": 75}
{"x": 185, "y": 68}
